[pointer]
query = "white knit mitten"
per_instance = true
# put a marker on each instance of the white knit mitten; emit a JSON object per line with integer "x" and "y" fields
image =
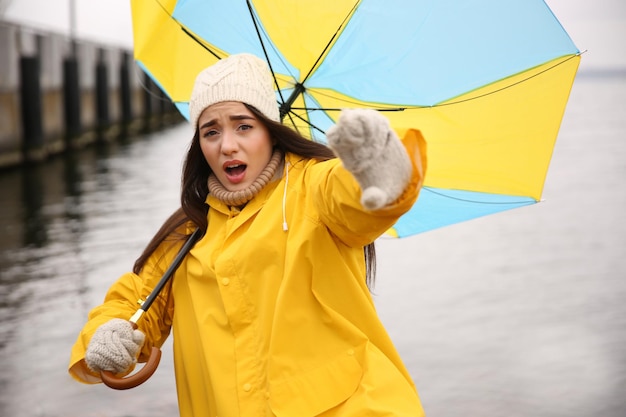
{"x": 373, "y": 153}
{"x": 114, "y": 347}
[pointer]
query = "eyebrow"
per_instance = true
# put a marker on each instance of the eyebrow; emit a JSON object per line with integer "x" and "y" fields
{"x": 233, "y": 117}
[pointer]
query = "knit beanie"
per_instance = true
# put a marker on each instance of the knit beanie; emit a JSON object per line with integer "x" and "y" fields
{"x": 240, "y": 77}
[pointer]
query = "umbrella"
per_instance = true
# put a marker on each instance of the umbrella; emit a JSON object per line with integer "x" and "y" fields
{"x": 486, "y": 81}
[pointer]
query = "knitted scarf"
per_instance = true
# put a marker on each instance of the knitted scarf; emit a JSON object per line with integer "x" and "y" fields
{"x": 240, "y": 197}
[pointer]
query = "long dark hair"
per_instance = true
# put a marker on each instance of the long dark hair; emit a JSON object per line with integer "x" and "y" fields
{"x": 194, "y": 189}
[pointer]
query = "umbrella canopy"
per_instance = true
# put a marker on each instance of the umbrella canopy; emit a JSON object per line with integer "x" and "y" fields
{"x": 486, "y": 81}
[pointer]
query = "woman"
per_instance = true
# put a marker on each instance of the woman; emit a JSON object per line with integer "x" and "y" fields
{"x": 270, "y": 311}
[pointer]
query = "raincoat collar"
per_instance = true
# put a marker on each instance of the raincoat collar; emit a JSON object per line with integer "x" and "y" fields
{"x": 253, "y": 205}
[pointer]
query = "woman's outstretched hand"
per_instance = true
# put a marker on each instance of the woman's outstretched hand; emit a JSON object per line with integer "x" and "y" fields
{"x": 370, "y": 149}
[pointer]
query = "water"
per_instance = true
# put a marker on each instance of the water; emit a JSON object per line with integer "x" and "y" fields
{"x": 516, "y": 314}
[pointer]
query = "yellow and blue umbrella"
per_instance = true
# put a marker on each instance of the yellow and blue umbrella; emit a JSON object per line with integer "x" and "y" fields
{"x": 486, "y": 81}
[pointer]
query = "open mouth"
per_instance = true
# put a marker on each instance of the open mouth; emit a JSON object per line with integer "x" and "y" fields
{"x": 236, "y": 172}
{"x": 236, "y": 169}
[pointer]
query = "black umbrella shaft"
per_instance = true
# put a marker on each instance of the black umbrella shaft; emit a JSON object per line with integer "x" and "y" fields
{"x": 286, "y": 106}
{"x": 172, "y": 268}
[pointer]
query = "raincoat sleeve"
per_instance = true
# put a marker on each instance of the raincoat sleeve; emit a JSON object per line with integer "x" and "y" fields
{"x": 122, "y": 301}
{"x": 338, "y": 197}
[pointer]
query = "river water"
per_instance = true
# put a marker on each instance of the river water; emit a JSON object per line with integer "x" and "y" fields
{"x": 522, "y": 313}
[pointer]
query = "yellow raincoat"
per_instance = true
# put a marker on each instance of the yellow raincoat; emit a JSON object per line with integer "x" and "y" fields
{"x": 269, "y": 322}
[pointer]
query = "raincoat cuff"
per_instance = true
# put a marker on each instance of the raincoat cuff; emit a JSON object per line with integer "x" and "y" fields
{"x": 415, "y": 146}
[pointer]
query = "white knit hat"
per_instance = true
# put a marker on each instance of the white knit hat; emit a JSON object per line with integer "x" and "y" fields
{"x": 241, "y": 77}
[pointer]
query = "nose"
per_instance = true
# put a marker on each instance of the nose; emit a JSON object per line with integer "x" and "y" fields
{"x": 229, "y": 143}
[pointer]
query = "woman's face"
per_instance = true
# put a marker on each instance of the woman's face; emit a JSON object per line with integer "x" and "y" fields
{"x": 235, "y": 144}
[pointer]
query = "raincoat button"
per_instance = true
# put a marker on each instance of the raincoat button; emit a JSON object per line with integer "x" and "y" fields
{"x": 247, "y": 387}
{"x": 225, "y": 281}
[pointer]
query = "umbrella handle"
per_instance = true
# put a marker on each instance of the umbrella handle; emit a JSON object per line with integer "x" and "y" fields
{"x": 139, "y": 377}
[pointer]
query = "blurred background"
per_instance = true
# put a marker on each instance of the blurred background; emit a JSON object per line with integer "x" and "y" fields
{"x": 522, "y": 313}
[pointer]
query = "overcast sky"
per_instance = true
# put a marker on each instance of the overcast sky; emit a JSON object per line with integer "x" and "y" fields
{"x": 597, "y": 26}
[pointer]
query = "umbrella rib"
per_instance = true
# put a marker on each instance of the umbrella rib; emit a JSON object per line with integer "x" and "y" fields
{"x": 330, "y": 41}
{"x": 195, "y": 38}
{"x": 291, "y": 112}
{"x": 292, "y": 121}
{"x": 327, "y": 109}
{"x": 147, "y": 88}
{"x": 191, "y": 35}
{"x": 499, "y": 89}
{"x": 267, "y": 59}
{"x": 466, "y": 200}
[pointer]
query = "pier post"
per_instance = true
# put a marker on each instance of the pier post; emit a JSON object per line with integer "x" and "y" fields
{"x": 102, "y": 96}
{"x": 71, "y": 101}
{"x": 126, "y": 93}
{"x": 30, "y": 94}
{"x": 147, "y": 103}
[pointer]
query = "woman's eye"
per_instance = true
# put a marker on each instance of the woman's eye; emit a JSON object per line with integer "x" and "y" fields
{"x": 245, "y": 127}
{"x": 209, "y": 133}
